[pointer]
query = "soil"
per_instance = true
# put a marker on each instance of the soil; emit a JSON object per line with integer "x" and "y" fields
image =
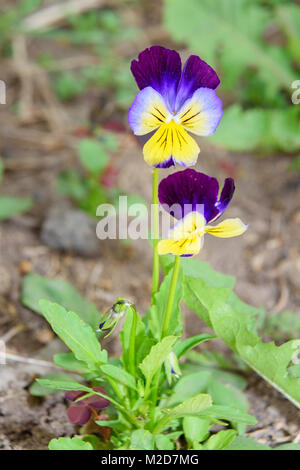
{"x": 266, "y": 262}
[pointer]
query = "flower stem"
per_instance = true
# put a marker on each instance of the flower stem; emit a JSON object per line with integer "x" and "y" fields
{"x": 173, "y": 285}
{"x": 155, "y": 208}
{"x": 131, "y": 351}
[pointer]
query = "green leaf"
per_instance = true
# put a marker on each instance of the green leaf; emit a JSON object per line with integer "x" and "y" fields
{"x": 196, "y": 269}
{"x": 229, "y": 396}
{"x": 195, "y": 429}
{"x": 63, "y": 385}
{"x": 37, "y": 390}
{"x": 155, "y": 315}
{"x": 200, "y": 297}
{"x": 288, "y": 17}
{"x": 275, "y": 129}
{"x": 92, "y": 155}
{"x": 67, "y": 443}
{"x": 288, "y": 447}
{"x": 68, "y": 361}
{"x": 142, "y": 440}
{"x": 143, "y": 343}
{"x": 10, "y": 206}
{"x": 158, "y": 353}
{"x": 233, "y": 22}
{"x": 246, "y": 443}
{"x": 36, "y": 287}
{"x": 163, "y": 442}
{"x": 220, "y": 440}
{"x": 181, "y": 348}
{"x": 235, "y": 328}
{"x": 191, "y": 406}
{"x": 229, "y": 414}
{"x": 119, "y": 374}
{"x": 70, "y": 183}
{"x": 76, "y": 334}
{"x": 189, "y": 386}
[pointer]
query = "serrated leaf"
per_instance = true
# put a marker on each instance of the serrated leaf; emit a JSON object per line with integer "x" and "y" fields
{"x": 36, "y": 287}
{"x": 10, "y": 206}
{"x": 267, "y": 359}
{"x": 68, "y": 443}
{"x": 76, "y": 334}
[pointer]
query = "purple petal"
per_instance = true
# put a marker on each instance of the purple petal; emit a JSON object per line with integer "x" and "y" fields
{"x": 196, "y": 74}
{"x": 159, "y": 68}
{"x": 79, "y": 414}
{"x": 226, "y": 195}
{"x": 166, "y": 164}
{"x": 73, "y": 395}
{"x": 189, "y": 190}
{"x": 96, "y": 401}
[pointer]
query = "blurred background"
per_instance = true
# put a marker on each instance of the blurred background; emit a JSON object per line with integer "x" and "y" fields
{"x": 65, "y": 148}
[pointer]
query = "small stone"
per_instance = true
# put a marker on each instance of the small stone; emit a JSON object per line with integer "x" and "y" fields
{"x": 71, "y": 230}
{"x": 25, "y": 267}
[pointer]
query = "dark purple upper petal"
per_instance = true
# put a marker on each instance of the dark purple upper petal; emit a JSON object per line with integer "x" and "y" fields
{"x": 187, "y": 191}
{"x": 159, "y": 68}
{"x": 190, "y": 190}
{"x": 79, "y": 414}
{"x": 226, "y": 195}
{"x": 196, "y": 74}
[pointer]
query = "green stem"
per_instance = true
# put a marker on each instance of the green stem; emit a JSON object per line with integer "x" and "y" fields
{"x": 131, "y": 351}
{"x": 155, "y": 208}
{"x": 173, "y": 285}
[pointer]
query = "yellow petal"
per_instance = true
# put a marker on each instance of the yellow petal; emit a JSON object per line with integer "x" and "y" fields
{"x": 228, "y": 228}
{"x": 171, "y": 140}
{"x": 189, "y": 246}
{"x": 186, "y": 227}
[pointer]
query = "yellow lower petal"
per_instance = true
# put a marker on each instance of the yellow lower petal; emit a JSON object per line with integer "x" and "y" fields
{"x": 185, "y": 227}
{"x": 188, "y": 246}
{"x": 228, "y": 228}
{"x": 171, "y": 140}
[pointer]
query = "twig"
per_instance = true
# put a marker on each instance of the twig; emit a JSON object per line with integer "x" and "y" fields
{"x": 11, "y": 333}
{"x": 53, "y": 15}
{"x": 27, "y": 360}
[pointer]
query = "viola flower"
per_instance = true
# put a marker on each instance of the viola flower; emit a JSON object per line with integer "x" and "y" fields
{"x": 172, "y": 102}
{"x": 81, "y": 412}
{"x": 192, "y": 198}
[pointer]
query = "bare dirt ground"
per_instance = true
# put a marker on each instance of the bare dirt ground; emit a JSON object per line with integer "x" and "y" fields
{"x": 266, "y": 262}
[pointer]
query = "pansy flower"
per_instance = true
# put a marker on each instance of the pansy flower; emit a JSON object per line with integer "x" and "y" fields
{"x": 192, "y": 198}
{"x": 173, "y": 102}
{"x": 81, "y": 411}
